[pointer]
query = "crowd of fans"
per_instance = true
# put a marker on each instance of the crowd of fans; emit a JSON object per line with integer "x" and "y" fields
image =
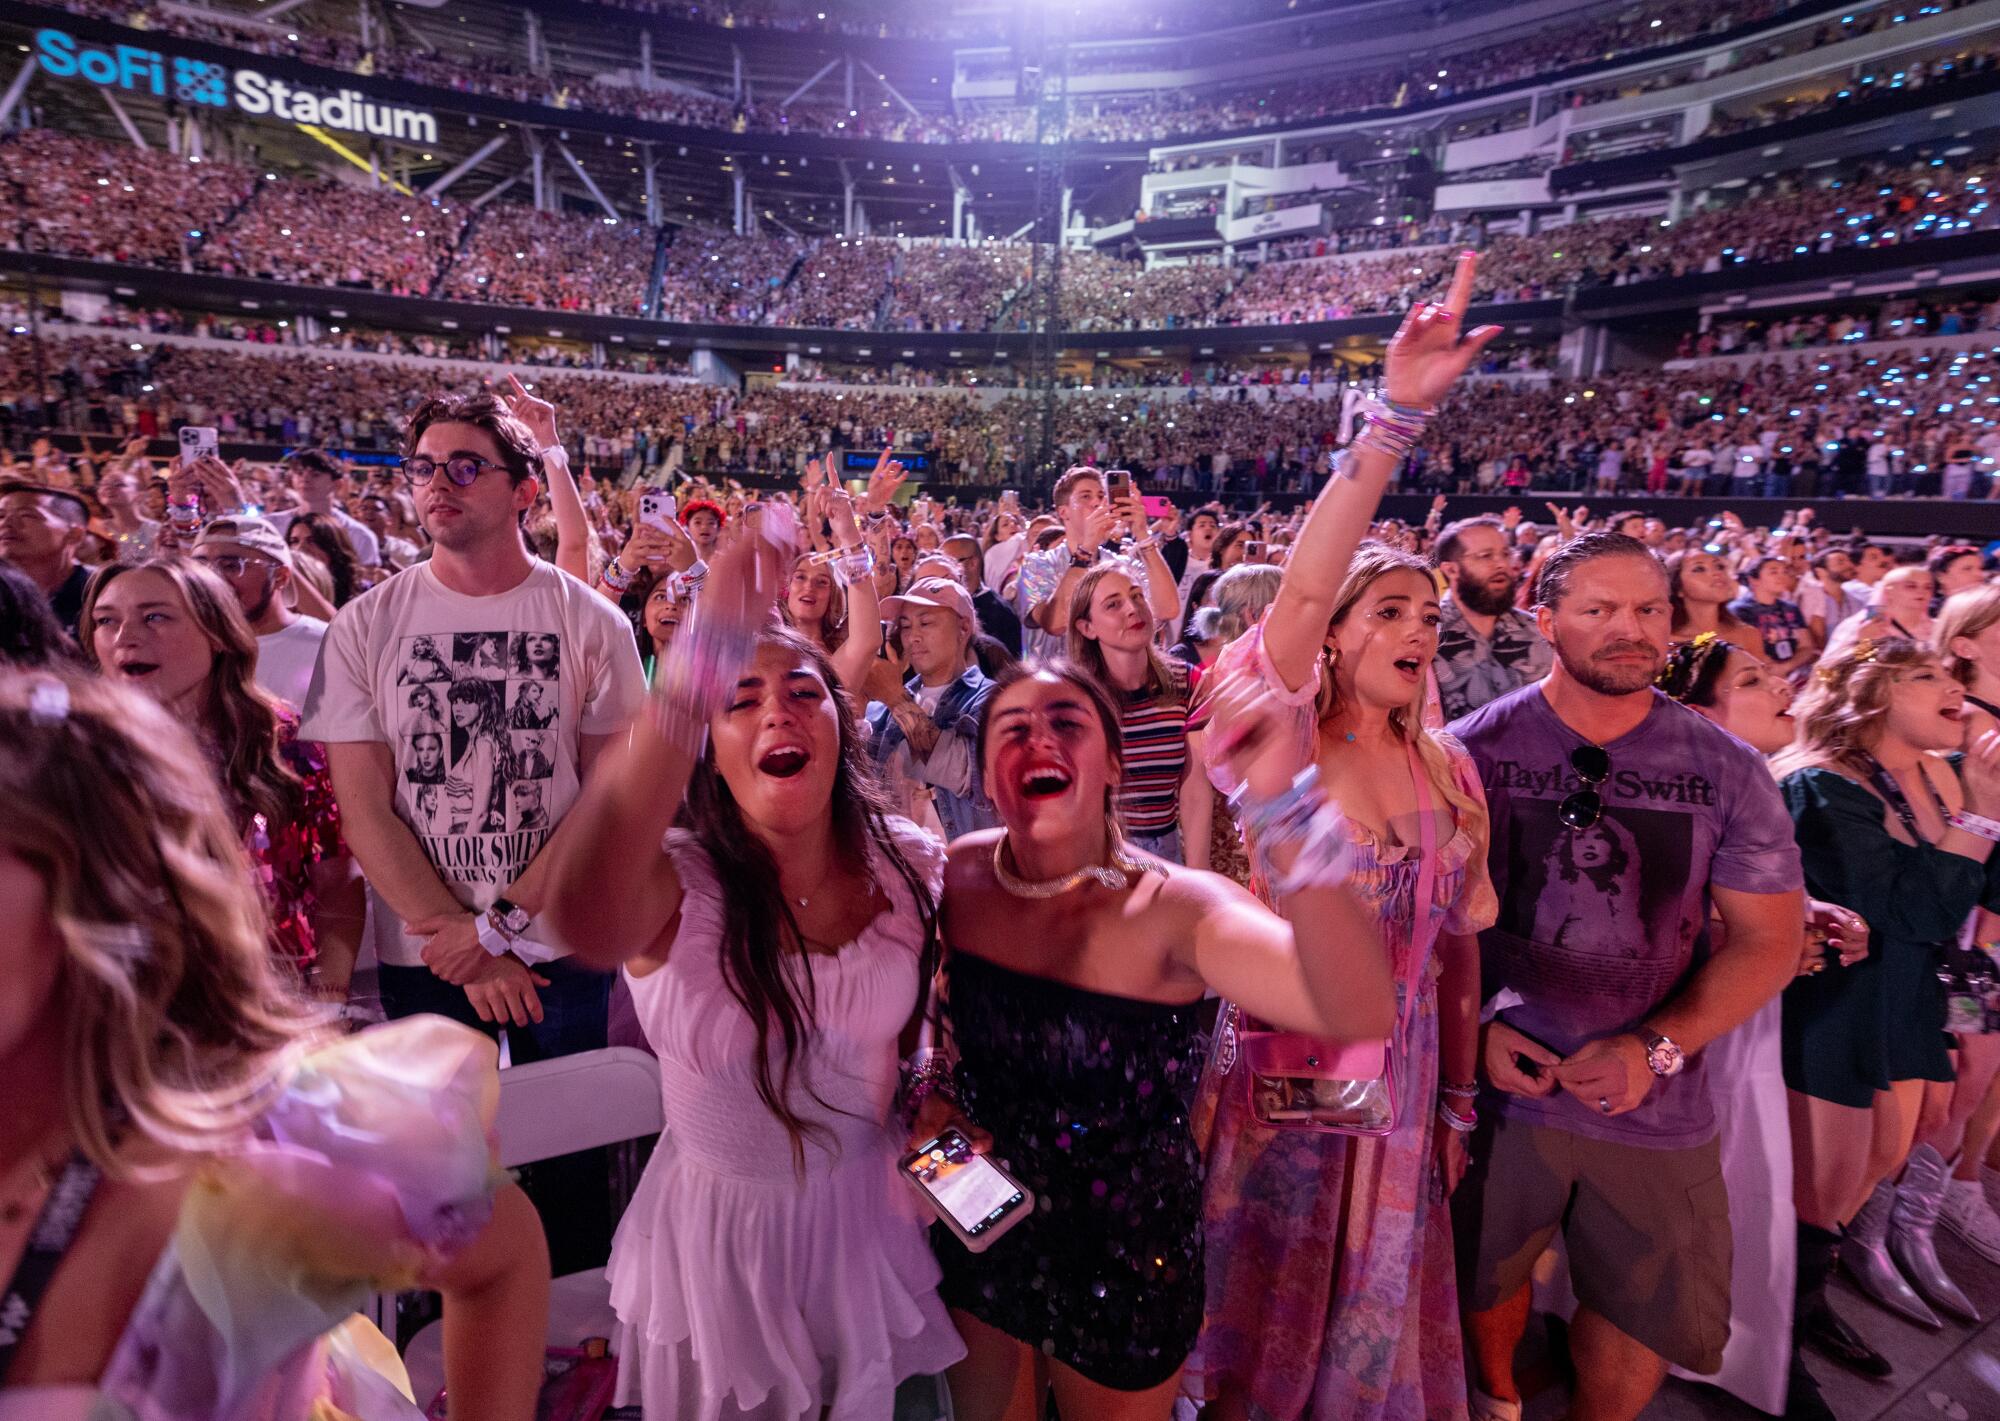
{"x": 713, "y": 276}
{"x": 1892, "y": 320}
{"x": 332, "y": 234}
{"x": 558, "y": 261}
{"x": 582, "y": 763}
{"x": 1910, "y": 422}
{"x": 112, "y": 202}
{"x": 328, "y": 233}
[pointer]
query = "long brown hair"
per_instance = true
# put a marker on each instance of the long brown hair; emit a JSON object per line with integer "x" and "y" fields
{"x": 764, "y": 961}
{"x": 1165, "y": 687}
{"x": 176, "y": 1020}
{"x": 241, "y": 720}
{"x": 1373, "y": 560}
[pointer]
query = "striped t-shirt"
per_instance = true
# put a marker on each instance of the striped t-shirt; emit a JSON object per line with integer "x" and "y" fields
{"x": 1155, "y": 746}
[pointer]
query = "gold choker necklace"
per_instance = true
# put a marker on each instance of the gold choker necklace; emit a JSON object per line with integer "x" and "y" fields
{"x": 1111, "y": 875}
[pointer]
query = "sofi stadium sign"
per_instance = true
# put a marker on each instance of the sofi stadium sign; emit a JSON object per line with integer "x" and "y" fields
{"x": 202, "y": 81}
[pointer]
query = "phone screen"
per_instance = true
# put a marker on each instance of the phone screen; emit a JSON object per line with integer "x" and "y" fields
{"x": 967, "y": 1186}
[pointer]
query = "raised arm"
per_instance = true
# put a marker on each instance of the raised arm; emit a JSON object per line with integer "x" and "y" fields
{"x": 1426, "y": 356}
{"x": 572, "y": 523}
{"x": 864, "y": 604}
{"x": 613, "y": 895}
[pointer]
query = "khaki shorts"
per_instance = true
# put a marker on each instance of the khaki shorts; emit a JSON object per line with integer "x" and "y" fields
{"x": 1647, "y": 1232}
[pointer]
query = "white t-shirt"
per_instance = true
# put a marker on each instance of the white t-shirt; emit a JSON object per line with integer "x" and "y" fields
{"x": 285, "y": 659}
{"x": 483, "y": 702}
{"x": 367, "y": 548}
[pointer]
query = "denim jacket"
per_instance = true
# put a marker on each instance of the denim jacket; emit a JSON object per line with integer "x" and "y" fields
{"x": 958, "y": 713}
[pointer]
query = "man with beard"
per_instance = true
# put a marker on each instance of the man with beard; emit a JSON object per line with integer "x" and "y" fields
{"x": 1597, "y": 1120}
{"x": 1486, "y": 647}
{"x": 251, "y": 556}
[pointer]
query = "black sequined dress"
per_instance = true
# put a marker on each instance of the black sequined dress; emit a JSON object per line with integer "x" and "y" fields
{"x": 1087, "y": 1098}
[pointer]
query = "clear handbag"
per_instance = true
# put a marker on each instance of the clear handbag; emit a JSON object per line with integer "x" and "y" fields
{"x": 1301, "y": 1082}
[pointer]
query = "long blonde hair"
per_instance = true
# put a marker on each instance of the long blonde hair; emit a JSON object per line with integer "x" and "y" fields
{"x": 177, "y": 1024}
{"x": 1965, "y": 614}
{"x": 1839, "y": 715}
{"x": 1373, "y": 560}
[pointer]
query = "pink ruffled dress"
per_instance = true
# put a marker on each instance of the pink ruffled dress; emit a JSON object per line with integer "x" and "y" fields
{"x": 747, "y": 1288}
{"x": 373, "y": 1167}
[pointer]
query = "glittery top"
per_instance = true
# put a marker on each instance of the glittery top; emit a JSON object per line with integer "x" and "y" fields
{"x": 1086, "y": 1095}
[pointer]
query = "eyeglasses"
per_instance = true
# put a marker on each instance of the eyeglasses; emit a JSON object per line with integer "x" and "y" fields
{"x": 228, "y": 564}
{"x": 461, "y": 469}
{"x": 1584, "y": 808}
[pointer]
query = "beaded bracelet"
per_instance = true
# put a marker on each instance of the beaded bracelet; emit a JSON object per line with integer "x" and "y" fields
{"x": 616, "y": 578}
{"x": 1301, "y": 815}
{"x": 1462, "y": 1124}
{"x": 1392, "y": 429}
{"x": 928, "y": 1077}
{"x": 1468, "y": 1091}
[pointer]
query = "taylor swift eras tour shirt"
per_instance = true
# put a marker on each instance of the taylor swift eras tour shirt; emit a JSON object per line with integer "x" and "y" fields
{"x": 483, "y": 703}
{"x": 1599, "y": 926}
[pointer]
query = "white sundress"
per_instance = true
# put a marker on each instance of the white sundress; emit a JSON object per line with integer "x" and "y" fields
{"x": 745, "y": 1289}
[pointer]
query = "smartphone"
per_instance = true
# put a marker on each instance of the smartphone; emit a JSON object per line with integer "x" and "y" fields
{"x": 656, "y": 509}
{"x": 198, "y": 441}
{"x": 1157, "y": 505}
{"x": 976, "y": 1199}
{"x": 1118, "y": 482}
{"x": 1253, "y": 551}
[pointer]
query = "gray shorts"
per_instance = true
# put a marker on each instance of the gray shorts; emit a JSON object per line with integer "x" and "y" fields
{"x": 1647, "y": 1232}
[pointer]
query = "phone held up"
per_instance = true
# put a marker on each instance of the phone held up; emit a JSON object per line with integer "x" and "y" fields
{"x": 1118, "y": 483}
{"x": 656, "y": 509}
{"x": 198, "y": 441}
{"x": 974, "y": 1197}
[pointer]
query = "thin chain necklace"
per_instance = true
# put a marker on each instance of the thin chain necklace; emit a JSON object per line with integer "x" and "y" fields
{"x": 1112, "y": 875}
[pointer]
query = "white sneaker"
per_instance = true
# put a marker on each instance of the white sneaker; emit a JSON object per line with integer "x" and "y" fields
{"x": 1490, "y": 1408}
{"x": 1967, "y": 1214}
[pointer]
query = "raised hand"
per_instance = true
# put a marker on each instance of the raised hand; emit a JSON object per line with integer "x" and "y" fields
{"x": 1428, "y": 352}
{"x": 538, "y": 414}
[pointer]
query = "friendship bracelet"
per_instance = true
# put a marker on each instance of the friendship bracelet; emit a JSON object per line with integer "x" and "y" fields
{"x": 1462, "y": 1124}
{"x": 854, "y": 563}
{"x": 1469, "y": 1091}
{"x": 1302, "y": 816}
{"x": 616, "y": 578}
{"x": 1987, "y": 829}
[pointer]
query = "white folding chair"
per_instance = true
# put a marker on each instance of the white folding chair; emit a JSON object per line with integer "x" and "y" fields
{"x": 551, "y": 1108}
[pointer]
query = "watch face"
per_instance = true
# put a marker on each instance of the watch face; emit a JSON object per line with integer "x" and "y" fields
{"x": 1664, "y": 1059}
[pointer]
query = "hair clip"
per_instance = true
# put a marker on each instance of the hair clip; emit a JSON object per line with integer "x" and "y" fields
{"x": 1703, "y": 640}
{"x": 48, "y": 703}
{"x": 1864, "y": 650}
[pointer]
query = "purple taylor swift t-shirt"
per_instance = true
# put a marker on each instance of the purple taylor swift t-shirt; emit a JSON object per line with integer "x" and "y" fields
{"x": 1599, "y": 926}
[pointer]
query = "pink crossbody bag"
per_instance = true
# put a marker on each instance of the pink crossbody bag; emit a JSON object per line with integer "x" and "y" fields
{"x": 1300, "y": 1082}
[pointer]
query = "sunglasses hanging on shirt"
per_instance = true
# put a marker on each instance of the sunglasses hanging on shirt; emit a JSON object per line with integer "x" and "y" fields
{"x": 1584, "y": 808}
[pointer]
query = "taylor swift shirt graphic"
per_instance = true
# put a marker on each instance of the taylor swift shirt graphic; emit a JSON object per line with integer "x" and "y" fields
{"x": 480, "y": 713}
